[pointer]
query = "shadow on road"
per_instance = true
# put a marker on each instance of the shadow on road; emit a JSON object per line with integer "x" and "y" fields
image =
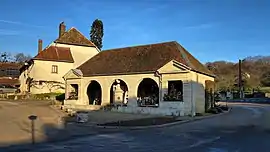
{"x": 51, "y": 133}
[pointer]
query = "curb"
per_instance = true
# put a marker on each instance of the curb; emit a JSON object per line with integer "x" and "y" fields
{"x": 247, "y": 103}
{"x": 154, "y": 126}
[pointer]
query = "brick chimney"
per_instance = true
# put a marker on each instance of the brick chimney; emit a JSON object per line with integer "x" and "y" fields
{"x": 62, "y": 29}
{"x": 39, "y": 45}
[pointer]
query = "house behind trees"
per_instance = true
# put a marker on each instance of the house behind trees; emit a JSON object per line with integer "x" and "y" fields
{"x": 9, "y": 73}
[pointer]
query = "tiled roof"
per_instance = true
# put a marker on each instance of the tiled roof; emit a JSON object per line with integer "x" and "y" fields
{"x": 8, "y": 81}
{"x": 9, "y": 65}
{"x": 74, "y": 37}
{"x": 53, "y": 53}
{"x": 145, "y": 58}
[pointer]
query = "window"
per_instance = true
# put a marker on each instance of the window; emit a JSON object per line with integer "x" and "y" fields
{"x": 12, "y": 72}
{"x": 175, "y": 91}
{"x": 73, "y": 92}
{"x": 54, "y": 69}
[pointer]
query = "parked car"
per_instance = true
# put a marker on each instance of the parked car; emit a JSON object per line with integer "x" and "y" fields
{"x": 7, "y": 89}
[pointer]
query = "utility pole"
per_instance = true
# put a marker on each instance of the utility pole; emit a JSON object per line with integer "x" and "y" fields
{"x": 240, "y": 80}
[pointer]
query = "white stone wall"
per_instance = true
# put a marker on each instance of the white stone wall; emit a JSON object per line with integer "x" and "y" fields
{"x": 80, "y": 54}
{"x": 193, "y": 91}
{"x": 198, "y": 81}
{"x": 187, "y": 91}
{"x": 133, "y": 81}
{"x": 165, "y": 108}
{"x": 41, "y": 70}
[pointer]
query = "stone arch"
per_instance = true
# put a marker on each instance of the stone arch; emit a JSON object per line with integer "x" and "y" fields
{"x": 94, "y": 93}
{"x": 119, "y": 92}
{"x": 148, "y": 93}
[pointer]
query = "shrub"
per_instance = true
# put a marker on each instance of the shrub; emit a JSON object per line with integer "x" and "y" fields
{"x": 199, "y": 114}
{"x": 219, "y": 110}
{"x": 224, "y": 108}
{"x": 11, "y": 97}
{"x": 46, "y": 96}
{"x": 213, "y": 111}
{"x": 60, "y": 97}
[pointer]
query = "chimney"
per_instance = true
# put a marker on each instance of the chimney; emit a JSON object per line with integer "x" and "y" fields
{"x": 62, "y": 29}
{"x": 39, "y": 45}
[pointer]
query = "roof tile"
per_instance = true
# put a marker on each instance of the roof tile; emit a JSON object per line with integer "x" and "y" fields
{"x": 74, "y": 37}
{"x": 8, "y": 81}
{"x": 143, "y": 58}
{"x": 9, "y": 65}
{"x": 53, "y": 53}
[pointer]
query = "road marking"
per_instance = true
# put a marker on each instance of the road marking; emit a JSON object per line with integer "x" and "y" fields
{"x": 256, "y": 111}
{"x": 201, "y": 142}
{"x": 217, "y": 150}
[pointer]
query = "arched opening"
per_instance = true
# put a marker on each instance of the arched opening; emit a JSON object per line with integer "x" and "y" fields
{"x": 94, "y": 93}
{"x": 148, "y": 93}
{"x": 119, "y": 92}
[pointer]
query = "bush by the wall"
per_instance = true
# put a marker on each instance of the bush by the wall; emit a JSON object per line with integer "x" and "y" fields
{"x": 60, "y": 97}
{"x": 45, "y": 96}
{"x": 11, "y": 97}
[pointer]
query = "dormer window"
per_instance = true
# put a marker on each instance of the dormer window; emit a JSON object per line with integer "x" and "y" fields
{"x": 54, "y": 69}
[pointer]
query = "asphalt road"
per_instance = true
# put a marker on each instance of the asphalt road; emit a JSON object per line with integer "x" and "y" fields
{"x": 245, "y": 129}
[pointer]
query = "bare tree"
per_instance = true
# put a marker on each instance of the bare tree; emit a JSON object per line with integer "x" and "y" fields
{"x": 20, "y": 57}
{"x": 6, "y": 57}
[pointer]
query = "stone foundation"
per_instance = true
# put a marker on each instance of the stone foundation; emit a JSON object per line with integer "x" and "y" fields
{"x": 165, "y": 108}
{"x": 82, "y": 107}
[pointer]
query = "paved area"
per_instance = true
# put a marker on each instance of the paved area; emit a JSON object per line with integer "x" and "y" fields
{"x": 246, "y": 128}
{"x": 16, "y": 127}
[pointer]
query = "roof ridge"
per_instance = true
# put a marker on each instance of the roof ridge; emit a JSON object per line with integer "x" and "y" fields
{"x": 62, "y": 37}
{"x": 81, "y": 34}
{"x": 183, "y": 54}
{"x": 142, "y": 45}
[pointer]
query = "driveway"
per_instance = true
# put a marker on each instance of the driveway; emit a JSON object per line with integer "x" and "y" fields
{"x": 246, "y": 128}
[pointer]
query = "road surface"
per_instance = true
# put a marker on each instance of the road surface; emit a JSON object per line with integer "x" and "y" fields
{"x": 246, "y": 128}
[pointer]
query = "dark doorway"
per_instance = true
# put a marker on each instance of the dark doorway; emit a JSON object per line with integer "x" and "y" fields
{"x": 94, "y": 93}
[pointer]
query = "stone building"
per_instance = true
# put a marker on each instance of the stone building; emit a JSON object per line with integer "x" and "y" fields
{"x": 161, "y": 78}
{"x": 44, "y": 72}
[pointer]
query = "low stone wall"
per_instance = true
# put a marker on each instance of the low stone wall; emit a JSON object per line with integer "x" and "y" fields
{"x": 82, "y": 107}
{"x": 165, "y": 108}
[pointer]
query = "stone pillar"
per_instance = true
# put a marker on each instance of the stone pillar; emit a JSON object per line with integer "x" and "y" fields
{"x": 105, "y": 94}
{"x": 132, "y": 96}
{"x": 67, "y": 90}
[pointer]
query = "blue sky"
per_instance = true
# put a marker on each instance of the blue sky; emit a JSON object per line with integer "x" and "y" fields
{"x": 210, "y": 29}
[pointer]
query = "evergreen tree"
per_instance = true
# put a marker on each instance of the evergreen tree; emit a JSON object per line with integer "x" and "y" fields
{"x": 96, "y": 33}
